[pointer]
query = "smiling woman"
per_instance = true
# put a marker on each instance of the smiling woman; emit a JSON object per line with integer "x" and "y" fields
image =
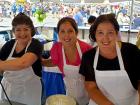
{"x": 66, "y": 54}
{"x": 111, "y": 70}
{"x": 20, "y": 63}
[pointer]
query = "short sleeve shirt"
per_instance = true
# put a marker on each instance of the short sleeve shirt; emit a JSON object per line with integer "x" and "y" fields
{"x": 131, "y": 58}
{"x": 57, "y": 58}
{"x": 35, "y": 47}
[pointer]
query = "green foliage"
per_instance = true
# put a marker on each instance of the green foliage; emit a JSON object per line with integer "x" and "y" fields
{"x": 40, "y": 15}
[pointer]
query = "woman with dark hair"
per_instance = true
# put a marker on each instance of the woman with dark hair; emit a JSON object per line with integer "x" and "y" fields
{"x": 66, "y": 54}
{"x": 91, "y": 19}
{"x": 111, "y": 70}
{"x": 20, "y": 63}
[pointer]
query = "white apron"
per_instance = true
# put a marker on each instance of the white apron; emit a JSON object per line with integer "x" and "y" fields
{"x": 115, "y": 85}
{"x": 74, "y": 81}
{"x": 22, "y": 86}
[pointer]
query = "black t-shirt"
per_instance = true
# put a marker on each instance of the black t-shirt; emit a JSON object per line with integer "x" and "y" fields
{"x": 131, "y": 58}
{"x": 35, "y": 47}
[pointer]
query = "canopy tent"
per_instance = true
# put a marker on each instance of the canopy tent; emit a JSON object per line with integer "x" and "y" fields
{"x": 87, "y": 1}
{"x": 9, "y": 1}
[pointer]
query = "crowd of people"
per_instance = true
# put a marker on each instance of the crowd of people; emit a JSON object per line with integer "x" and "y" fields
{"x": 106, "y": 74}
{"x": 79, "y": 12}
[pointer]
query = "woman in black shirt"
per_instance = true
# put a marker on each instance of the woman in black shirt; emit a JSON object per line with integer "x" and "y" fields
{"x": 20, "y": 61}
{"x": 111, "y": 70}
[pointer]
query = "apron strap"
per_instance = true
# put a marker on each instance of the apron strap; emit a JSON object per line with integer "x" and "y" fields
{"x": 11, "y": 53}
{"x": 28, "y": 45}
{"x": 118, "y": 54}
{"x": 119, "y": 57}
{"x": 79, "y": 51}
{"x": 96, "y": 58}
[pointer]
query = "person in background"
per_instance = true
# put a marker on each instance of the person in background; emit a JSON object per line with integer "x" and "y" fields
{"x": 66, "y": 54}
{"x": 33, "y": 9}
{"x": 91, "y": 19}
{"x": 70, "y": 12}
{"x": 14, "y": 9}
{"x": 78, "y": 17}
{"x": 111, "y": 70}
{"x": 21, "y": 64}
{"x": 138, "y": 40}
{"x": 136, "y": 21}
{"x": 20, "y": 8}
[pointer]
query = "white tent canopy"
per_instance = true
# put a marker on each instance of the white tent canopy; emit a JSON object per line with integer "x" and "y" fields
{"x": 11, "y": 1}
{"x": 87, "y": 1}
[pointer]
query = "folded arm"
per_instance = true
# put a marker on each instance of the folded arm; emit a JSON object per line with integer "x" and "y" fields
{"x": 18, "y": 63}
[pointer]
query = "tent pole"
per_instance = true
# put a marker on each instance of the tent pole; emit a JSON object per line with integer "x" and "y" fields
{"x": 131, "y": 19}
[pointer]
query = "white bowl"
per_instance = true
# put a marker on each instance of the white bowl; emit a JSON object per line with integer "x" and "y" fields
{"x": 60, "y": 100}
